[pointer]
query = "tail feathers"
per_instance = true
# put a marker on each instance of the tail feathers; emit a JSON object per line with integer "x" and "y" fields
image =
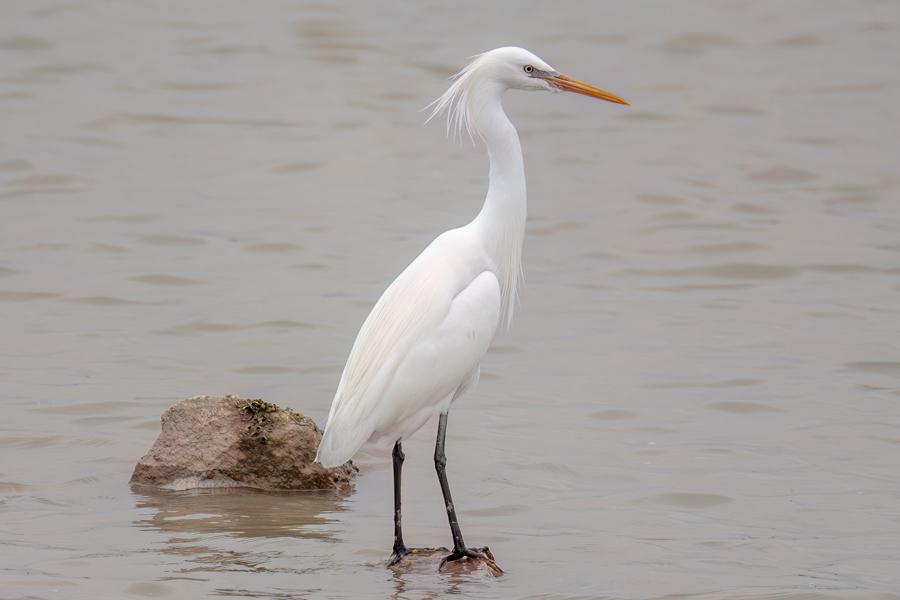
{"x": 331, "y": 459}
{"x": 335, "y": 450}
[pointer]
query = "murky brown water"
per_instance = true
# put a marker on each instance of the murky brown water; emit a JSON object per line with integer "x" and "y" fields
{"x": 700, "y": 396}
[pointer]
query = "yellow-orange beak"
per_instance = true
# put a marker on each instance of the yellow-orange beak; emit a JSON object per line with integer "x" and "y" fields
{"x": 570, "y": 84}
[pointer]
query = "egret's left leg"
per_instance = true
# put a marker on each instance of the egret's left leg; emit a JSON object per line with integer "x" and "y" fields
{"x": 459, "y": 546}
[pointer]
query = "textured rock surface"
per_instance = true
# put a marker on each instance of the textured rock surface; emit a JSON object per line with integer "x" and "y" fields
{"x": 227, "y": 442}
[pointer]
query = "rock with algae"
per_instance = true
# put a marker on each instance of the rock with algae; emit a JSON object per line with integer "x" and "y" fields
{"x": 234, "y": 442}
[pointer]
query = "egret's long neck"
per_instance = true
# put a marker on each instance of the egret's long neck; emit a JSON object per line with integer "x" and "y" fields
{"x": 502, "y": 218}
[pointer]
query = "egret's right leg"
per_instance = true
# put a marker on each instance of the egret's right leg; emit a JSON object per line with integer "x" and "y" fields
{"x": 400, "y": 549}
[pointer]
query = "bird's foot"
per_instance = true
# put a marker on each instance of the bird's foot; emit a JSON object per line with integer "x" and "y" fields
{"x": 398, "y": 554}
{"x": 483, "y": 554}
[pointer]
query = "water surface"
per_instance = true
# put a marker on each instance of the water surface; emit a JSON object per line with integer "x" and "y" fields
{"x": 700, "y": 395}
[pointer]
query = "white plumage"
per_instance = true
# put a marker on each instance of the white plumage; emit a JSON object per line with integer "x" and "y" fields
{"x": 419, "y": 348}
{"x": 432, "y": 327}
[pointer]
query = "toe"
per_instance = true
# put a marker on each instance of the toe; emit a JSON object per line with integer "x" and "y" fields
{"x": 483, "y": 554}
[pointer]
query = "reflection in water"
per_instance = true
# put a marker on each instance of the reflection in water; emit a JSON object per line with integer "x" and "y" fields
{"x": 240, "y": 512}
{"x": 193, "y": 516}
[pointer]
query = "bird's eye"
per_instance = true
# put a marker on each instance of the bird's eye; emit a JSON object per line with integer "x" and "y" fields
{"x": 529, "y": 69}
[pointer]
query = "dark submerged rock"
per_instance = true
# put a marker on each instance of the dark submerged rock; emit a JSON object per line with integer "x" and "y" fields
{"x": 234, "y": 442}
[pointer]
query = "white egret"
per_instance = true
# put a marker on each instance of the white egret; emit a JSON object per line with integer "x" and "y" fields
{"x": 421, "y": 346}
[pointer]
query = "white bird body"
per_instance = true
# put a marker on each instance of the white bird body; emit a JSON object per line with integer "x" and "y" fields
{"x": 422, "y": 345}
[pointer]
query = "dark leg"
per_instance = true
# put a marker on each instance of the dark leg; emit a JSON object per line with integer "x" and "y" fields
{"x": 459, "y": 546}
{"x": 400, "y": 549}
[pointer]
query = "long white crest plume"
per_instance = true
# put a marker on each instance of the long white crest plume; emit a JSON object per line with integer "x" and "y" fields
{"x": 457, "y": 103}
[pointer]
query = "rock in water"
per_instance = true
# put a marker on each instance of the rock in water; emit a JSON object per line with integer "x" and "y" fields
{"x": 230, "y": 442}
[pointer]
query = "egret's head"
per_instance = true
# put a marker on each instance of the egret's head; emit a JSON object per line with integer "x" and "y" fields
{"x": 515, "y": 68}
{"x": 492, "y": 73}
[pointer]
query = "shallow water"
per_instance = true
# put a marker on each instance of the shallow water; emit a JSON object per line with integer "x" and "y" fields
{"x": 700, "y": 395}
